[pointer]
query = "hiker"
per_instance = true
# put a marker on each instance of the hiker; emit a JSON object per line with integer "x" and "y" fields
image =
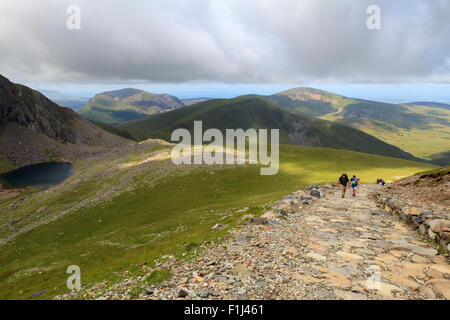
{"x": 354, "y": 183}
{"x": 343, "y": 182}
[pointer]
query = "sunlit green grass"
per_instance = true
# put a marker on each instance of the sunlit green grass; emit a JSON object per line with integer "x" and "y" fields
{"x": 424, "y": 142}
{"x": 172, "y": 216}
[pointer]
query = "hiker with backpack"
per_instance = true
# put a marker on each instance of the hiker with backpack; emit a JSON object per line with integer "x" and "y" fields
{"x": 354, "y": 184}
{"x": 344, "y": 183}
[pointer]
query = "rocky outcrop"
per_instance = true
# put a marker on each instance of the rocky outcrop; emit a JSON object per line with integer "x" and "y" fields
{"x": 423, "y": 201}
{"x": 435, "y": 227}
{"x": 32, "y": 110}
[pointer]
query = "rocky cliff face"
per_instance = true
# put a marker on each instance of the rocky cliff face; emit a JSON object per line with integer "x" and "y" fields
{"x": 31, "y": 109}
{"x": 34, "y": 129}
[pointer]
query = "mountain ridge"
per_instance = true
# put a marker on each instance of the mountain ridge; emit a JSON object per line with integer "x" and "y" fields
{"x": 420, "y": 130}
{"x": 253, "y": 112}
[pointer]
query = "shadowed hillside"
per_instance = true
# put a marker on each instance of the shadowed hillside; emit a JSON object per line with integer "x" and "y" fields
{"x": 253, "y": 112}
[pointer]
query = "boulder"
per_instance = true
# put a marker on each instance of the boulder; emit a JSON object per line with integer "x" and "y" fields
{"x": 436, "y": 225}
{"x": 414, "y": 211}
{"x": 272, "y": 215}
{"x": 431, "y": 234}
{"x": 395, "y": 206}
{"x": 423, "y": 216}
{"x": 390, "y": 199}
{"x": 217, "y": 227}
{"x": 258, "y": 221}
{"x": 317, "y": 193}
{"x": 423, "y": 229}
{"x": 443, "y": 243}
{"x": 313, "y": 186}
{"x": 240, "y": 269}
{"x": 445, "y": 235}
{"x": 203, "y": 293}
{"x": 182, "y": 293}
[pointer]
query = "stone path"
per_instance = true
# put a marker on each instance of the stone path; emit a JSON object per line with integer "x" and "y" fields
{"x": 328, "y": 248}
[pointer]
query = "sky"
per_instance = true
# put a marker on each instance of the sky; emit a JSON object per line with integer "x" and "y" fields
{"x": 200, "y": 48}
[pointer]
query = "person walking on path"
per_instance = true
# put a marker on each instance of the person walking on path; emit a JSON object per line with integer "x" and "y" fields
{"x": 344, "y": 183}
{"x": 354, "y": 183}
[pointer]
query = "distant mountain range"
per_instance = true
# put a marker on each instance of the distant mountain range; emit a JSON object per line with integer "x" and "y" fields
{"x": 431, "y": 104}
{"x": 319, "y": 103}
{"x": 188, "y": 102}
{"x": 64, "y": 100}
{"x": 115, "y": 107}
{"x": 422, "y": 129}
{"x": 34, "y": 129}
{"x": 305, "y": 116}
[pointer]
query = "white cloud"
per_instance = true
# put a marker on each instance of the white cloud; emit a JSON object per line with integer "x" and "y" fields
{"x": 272, "y": 41}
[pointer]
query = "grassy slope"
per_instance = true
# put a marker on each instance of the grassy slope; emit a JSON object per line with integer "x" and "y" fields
{"x": 253, "y": 112}
{"x": 6, "y": 165}
{"x": 425, "y": 142}
{"x": 170, "y": 211}
{"x": 219, "y": 113}
{"x": 115, "y": 130}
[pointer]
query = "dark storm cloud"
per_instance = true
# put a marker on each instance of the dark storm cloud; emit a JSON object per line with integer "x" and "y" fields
{"x": 231, "y": 41}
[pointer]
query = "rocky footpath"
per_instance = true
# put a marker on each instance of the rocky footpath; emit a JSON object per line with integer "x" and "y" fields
{"x": 312, "y": 245}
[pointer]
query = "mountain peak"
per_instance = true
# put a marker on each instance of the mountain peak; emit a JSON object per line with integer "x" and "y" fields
{"x": 117, "y": 106}
{"x": 123, "y": 93}
{"x": 308, "y": 93}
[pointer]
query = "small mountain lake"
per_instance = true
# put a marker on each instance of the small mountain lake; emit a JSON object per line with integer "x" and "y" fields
{"x": 44, "y": 175}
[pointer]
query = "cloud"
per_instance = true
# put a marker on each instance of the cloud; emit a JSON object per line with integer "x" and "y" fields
{"x": 233, "y": 41}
